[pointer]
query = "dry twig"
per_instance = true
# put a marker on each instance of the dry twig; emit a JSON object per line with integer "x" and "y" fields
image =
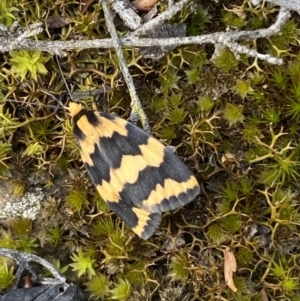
{"x": 136, "y": 106}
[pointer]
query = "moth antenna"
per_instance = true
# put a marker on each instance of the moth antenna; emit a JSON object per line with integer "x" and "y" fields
{"x": 58, "y": 100}
{"x": 32, "y": 104}
{"x": 63, "y": 77}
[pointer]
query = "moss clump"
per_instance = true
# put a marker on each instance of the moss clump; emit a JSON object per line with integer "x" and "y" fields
{"x": 121, "y": 291}
{"x": 233, "y": 114}
{"x": 225, "y": 60}
{"x": 98, "y": 286}
{"x": 24, "y": 62}
{"x": 231, "y": 223}
{"x": 83, "y": 263}
{"x": 76, "y": 199}
{"x": 244, "y": 256}
{"x": 6, "y": 273}
{"x": 179, "y": 267}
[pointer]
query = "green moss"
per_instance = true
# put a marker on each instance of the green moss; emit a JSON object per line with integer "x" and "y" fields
{"x": 225, "y": 60}
{"x": 278, "y": 77}
{"x": 32, "y": 62}
{"x": 250, "y": 132}
{"x": 98, "y": 286}
{"x": 160, "y": 103}
{"x": 100, "y": 204}
{"x": 230, "y": 191}
{"x": 86, "y": 23}
{"x": 279, "y": 172}
{"x": 243, "y": 88}
{"x": 233, "y": 114}
{"x": 34, "y": 149}
{"x": 280, "y": 267}
{"x": 61, "y": 269}
{"x": 290, "y": 34}
{"x": 113, "y": 235}
{"x": 83, "y": 264}
{"x": 168, "y": 133}
{"x": 245, "y": 186}
{"x": 7, "y": 123}
{"x": 177, "y": 116}
{"x": 135, "y": 274}
{"x": 117, "y": 245}
{"x": 5, "y": 150}
{"x": 179, "y": 267}
{"x": 28, "y": 244}
{"x": 20, "y": 226}
{"x": 242, "y": 289}
{"x": 231, "y": 223}
{"x": 271, "y": 115}
{"x": 216, "y": 233}
{"x": 175, "y": 99}
{"x": 223, "y": 206}
{"x": 43, "y": 131}
{"x": 6, "y": 273}
{"x": 103, "y": 228}
{"x": 244, "y": 256}
{"x": 231, "y": 19}
{"x": 55, "y": 235}
{"x": 8, "y": 12}
{"x": 290, "y": 284}
{"x": 76, "y": 199}
{"x": 7, "y": 241}
{"x": 205, "y": 103}
{"x": 169, "y": 81}
{"x": 294, "y": 109}
{"x": 192, "y": 75}
{"x": 198, "y": 21}
{"x": 121, "y": 291}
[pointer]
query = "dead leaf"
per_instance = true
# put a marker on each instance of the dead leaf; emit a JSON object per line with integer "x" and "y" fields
{"x": 143, "y": 5}
{"x": 84, "y": 5}
{"x": 263, "y": 295}
{"x": 228, "y": 157}
{"x": 57, "y": 22}
{"x": 229, "y": 267}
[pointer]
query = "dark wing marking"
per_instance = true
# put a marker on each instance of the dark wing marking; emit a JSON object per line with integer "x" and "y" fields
{"x": 142, "y": 222}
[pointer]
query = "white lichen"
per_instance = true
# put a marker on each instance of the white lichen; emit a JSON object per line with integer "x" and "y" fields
{"x": 28, "y": 206}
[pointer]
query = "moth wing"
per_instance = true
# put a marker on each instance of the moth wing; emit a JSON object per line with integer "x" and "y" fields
{"x": 143, "y": 171}
{"x": 133, "y": 172}
{"x": 142, "y": 222}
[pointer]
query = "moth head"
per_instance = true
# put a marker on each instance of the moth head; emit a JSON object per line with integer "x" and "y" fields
{"x": 74, "y": 108}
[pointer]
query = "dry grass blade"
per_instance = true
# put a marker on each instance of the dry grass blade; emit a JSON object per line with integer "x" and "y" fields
{"x": 229, "y": 267}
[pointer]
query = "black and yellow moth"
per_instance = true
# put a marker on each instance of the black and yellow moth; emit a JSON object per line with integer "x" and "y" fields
{"x": 134, "y": 173}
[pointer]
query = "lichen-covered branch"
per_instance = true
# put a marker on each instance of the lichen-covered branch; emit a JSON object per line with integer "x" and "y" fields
{"x": 166, "y": 15}
{"x": 228, "y": 39}
{"x": 136, "y": 105}
{"x": 23, "y": 260}
{"x": 127, "y": 13}
{"x": 289, "y": 4}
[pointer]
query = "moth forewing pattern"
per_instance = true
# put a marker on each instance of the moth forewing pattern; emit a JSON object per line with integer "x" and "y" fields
{"x": 134, "y": 173}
